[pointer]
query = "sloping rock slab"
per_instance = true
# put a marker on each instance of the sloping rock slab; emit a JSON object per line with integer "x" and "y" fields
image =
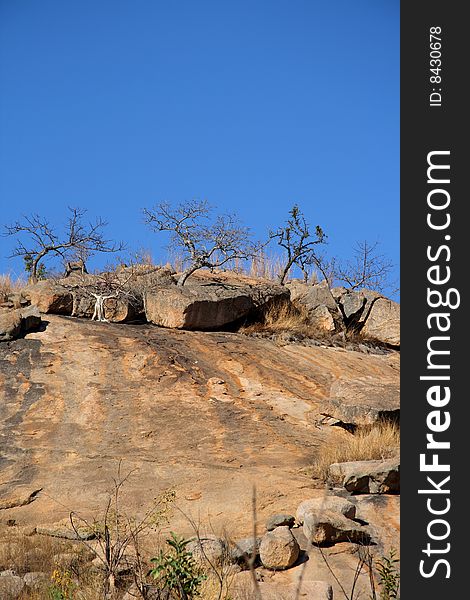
{"x": 383, "y": 322}
{"x": 207, "y": 306}
{"x": 368, "y": 476}
{"x": 325, "y": 527}
{"x": 313, "y": 590}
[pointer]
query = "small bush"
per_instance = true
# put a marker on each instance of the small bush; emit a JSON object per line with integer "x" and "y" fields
{"x": 177, "y": 570}
{"x": 62, "y": 587}
{"x": 389, "y": 576}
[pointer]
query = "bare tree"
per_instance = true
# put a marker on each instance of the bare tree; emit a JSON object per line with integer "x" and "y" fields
{"x": 126, "y": 286}
{"x": 118, "y": 536}
{"x": 41, "y": 239}
{"x": 366, "y": 269}
{"x": 206, "y": 242}
{"x": 298, "y": 241}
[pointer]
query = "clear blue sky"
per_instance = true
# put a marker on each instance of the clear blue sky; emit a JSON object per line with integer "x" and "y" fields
{"x": 114, "y": 105}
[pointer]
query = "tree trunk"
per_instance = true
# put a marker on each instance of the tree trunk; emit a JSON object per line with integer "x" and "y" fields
{"x": 34, "y": 270}
{"x": 185, "y": 274}
{"x": 283, "y": 275}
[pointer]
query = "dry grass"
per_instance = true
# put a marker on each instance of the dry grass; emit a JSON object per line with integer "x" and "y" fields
{"x": 376, "y": 442}
{"x": 43, "y": 554}
{"x": 9, "y": 285}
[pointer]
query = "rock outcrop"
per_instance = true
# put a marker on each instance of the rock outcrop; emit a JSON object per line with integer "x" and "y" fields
{"x": 17, "y": 322}
{"x": 50, "y": 297}
{"x": 363, "y": 311}
{"x": 383, "y": 322}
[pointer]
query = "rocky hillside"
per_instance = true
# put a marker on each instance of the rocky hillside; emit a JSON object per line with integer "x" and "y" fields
{"x": 208, "y": 414}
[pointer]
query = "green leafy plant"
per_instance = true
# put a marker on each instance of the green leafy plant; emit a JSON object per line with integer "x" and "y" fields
{"x": 41, "y": 272}
{"x": 62, "y": 587}
{"x": 389, "y": 576}
{"x": 177, "y": 570}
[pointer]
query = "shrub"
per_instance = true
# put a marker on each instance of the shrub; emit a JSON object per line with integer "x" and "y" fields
{"x": 177, "y": 570}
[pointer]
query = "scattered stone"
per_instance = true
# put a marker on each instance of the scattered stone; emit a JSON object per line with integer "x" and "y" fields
{"x": 324, "y": 527}
{"x": 329, "y": 503}
{"x": 244, "y": 549}
{"x": 368, "y": 476}
{"x": 279, "y": 549}
{"x": 11, "y": 586}
{"x": 35, "y": 579}
{"x": 279, "y": 520}
{"x": 208, "y": 550}
{"x": 383, "y": 322}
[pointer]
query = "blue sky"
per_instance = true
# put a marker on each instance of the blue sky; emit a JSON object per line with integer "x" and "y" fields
{"x": 114, "y": 105}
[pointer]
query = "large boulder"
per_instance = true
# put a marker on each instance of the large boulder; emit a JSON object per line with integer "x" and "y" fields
{"x": 329, "y": 503}
{"x": 320, "y": 318}
{"x": 383, "y": 322}
{"x": 368, "y": 476}
{"x": 279, "y": 549}
{"x": 120, "y": 310}
{"x": 363, "y": 401}
{"x": 16, "y": 323}
{"x": 312, "y": 296}
{"x": 325, "y": 527}
{"x": 50, "y": 298}
{"x": 207, "y": 306}
{"x": 355, "y": 305}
